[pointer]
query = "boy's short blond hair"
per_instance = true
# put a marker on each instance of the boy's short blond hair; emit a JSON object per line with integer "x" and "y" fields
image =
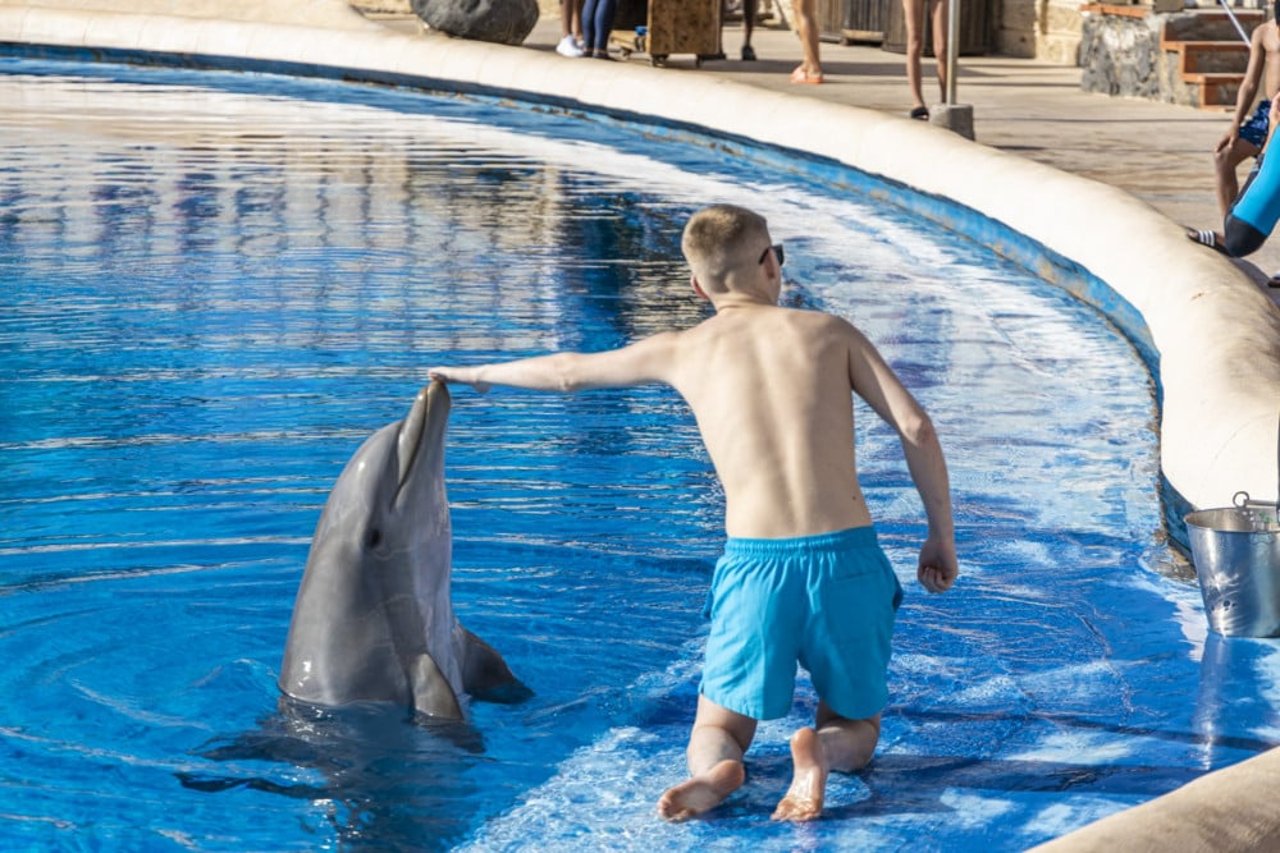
{"x": 720, "y": 239}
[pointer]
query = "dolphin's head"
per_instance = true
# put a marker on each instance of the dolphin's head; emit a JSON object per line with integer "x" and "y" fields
{"x": 391, "y": 494}
{"x": 403, "y": 472}
{"x": 376, "y": 590}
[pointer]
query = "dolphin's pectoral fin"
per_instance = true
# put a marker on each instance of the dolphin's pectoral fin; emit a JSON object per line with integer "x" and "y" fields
{"x": 432, "y": 694}
{"x": 486, "y": 676}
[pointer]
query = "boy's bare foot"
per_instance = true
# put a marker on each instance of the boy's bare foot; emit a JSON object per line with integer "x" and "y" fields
{"x": 809, "y": 784}
{"x": 702, "y": 793}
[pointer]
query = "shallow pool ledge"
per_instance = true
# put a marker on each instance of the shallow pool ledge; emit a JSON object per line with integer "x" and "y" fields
{"x": 1214, "y": 334}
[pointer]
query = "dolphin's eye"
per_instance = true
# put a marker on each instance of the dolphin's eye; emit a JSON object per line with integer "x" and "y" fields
{"x": 373, "y": 538}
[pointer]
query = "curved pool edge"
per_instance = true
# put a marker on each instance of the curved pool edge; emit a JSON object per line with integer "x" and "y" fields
{"x": 1210, "y": 336}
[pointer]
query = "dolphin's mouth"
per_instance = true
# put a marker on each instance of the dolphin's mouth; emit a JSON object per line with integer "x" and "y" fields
{"x": 430, "y": 408}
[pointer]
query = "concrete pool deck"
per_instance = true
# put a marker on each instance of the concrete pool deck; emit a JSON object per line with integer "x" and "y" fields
{"x": 1100, "y": 183}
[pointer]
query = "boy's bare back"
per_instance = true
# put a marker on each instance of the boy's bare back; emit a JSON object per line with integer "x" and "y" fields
{"x": 771, "y": 389}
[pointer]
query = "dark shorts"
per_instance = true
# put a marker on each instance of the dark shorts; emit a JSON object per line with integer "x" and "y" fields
{"x": 826, "y": 601}
{"x": 1254, "y": 131}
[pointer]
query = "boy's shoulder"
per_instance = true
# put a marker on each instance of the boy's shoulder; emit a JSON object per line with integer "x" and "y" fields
{"x": 820, "y": 319}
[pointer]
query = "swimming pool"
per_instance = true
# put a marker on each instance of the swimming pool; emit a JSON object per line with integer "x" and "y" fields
{"x": 214, "y": 286}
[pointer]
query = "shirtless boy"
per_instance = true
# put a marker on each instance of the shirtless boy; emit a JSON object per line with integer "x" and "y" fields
{"x": 1245, "y": 138}
{"x": 803, "y": 577}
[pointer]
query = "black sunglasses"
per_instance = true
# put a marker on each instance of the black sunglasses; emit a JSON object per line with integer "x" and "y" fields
{"x": 777, "y": 250}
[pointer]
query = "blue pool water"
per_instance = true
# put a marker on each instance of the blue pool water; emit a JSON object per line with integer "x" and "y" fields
{"x": 212, "y": 288}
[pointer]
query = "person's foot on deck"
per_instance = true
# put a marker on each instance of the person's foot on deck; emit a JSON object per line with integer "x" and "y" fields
{"x": 809, "y": 783}
{"x": 702, "y": 793}
{"x": 806, "y": 75}
{"x": 1207, "y": 237}
{"x": 569, "y": 47}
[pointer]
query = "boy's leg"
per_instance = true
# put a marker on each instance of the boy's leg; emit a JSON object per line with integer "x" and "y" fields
{"x": 835, "y": 743}
{"x": 717, "y": 743}
{"x": 1225, "y": 163}
{"x": 913, "y": 17}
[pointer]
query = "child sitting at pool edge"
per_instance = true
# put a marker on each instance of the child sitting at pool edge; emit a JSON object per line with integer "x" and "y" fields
{"x": 802, "y": 578}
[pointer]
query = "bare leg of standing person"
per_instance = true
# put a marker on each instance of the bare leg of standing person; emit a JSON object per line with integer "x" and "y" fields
{"x": 748, "y": 26}
{"x": 570, "y": 28}
{"x": 809, "y": 71}
{"x": 913, "y": 17}
{"x": 940, "y": 45}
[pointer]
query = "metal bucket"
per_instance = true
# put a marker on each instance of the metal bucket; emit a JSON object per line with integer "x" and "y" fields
{"x": 1237, "y": 556}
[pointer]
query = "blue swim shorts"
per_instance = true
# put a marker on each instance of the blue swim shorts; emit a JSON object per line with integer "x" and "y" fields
{"x": 1255, "y": 129}
{"x": 826, "y": 601}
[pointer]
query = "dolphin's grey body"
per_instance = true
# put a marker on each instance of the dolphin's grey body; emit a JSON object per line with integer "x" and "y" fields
{"x": 374, "y": 618}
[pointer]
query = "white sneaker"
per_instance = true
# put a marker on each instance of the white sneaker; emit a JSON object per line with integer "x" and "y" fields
{"x": 568, "y": 47}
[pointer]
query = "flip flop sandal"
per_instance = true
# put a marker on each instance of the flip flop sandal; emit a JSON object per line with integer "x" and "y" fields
{"x": 1206, "y": 237}
{"x": 921, "y": 113}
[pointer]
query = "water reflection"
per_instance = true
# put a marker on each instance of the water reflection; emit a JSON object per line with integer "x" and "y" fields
{"x": 211, "y": 297}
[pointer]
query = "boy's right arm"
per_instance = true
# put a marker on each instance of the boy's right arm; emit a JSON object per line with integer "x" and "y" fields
{"x": 876, "y": 383}
{"x": 649, "y": 360}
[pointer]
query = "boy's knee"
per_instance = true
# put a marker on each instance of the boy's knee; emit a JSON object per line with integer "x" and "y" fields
{"x": 1225, "y": 158}
{"x": 1240, "y": 238}
{"x": 827, "y": 715}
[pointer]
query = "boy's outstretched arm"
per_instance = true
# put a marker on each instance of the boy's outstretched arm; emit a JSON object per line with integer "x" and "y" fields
{"x": 875, "y": 382}
{"x": 649, "y": 360}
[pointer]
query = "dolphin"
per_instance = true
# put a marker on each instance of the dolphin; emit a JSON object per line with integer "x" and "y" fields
{"x": 374, "y": 619}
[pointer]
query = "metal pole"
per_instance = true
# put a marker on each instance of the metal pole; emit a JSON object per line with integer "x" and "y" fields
{"x": 953, "y": 48}
{"x": 1236, "y": 21}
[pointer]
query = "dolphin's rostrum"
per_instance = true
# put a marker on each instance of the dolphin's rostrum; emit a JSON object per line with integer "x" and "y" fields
{"x": 374, "y": 618}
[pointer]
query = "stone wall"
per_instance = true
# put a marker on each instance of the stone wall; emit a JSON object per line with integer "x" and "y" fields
{"x": 1059, "y": 32}
{"x": 1122, "y": 56}
{"x": 1048, "y": 30}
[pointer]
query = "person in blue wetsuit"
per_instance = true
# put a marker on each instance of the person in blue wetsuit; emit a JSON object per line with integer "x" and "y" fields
{"x": 803, "y": 579}
{"x": 1256, "y": 210}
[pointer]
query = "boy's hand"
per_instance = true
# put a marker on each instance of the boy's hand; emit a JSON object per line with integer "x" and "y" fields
{"x": 465, "y": 375}
{"x": 938, "y": 565}
{"x": 1228, "y": 140}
